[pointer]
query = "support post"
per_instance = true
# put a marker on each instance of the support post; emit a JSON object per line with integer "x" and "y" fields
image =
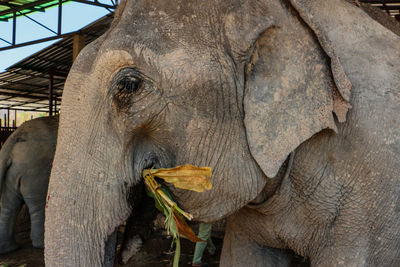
{"x": 14, "y": 32}
{"x": 15, "y": 115}
{"x": 50, "y": 94}
{"x": 79, "y": 44}
{"x": 8, "y": 118}
{"x": 59, "y": 16}
{"x": 386, "y": 10}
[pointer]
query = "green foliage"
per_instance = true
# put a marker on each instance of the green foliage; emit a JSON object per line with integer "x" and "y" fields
{"x": 187, "y": 177}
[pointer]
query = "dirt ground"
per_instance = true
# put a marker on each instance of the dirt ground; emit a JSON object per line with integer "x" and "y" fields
{"x": 156, "y": 251}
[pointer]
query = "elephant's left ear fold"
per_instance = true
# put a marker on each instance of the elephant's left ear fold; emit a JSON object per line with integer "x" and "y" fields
{"x": 288, "y": 95}
{"x": 243, "y": 24}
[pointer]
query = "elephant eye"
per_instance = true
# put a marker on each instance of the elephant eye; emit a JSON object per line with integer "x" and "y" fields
{"x": 126, "y": 83}
{"x": 127, "y": 80}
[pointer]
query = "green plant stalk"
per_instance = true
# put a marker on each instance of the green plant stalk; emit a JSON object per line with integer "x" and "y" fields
{"x": 177, "y": 252}
{"x": 168, "y": 207}
{"x": 156, "y": 190}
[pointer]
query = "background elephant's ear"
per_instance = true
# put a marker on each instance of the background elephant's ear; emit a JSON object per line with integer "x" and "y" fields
{"x": 289, "y": 93}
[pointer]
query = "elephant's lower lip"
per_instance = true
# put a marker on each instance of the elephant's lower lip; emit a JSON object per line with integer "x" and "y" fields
{"x": 122, "y": 251}
{"x": 136, "y": 228}
{"x": 121, "y": 236}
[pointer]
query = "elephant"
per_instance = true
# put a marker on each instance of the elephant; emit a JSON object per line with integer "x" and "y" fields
{"x": 293, "y": 104}
{"x": 25, "y": 163}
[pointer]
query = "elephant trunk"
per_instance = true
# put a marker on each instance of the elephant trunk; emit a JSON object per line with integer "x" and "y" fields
{"x": 80, "y": 233}
{"x": 86, "y": 203}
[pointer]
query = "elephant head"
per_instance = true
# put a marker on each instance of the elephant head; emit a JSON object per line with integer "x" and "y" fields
{"x": 234, "y": 85}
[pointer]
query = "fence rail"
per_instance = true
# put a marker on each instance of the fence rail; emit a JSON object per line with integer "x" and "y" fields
{"x": 5, "y": 132}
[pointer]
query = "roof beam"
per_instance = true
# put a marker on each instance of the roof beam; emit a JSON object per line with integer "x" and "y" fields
{"x": 30, "y": 109}
{"x": 39, "y": 91}
{"x": 21, "y": 71}
{"x": 37, "y": 41}
{"x": 19, "y": 104}
{"x": 95, "y": 3}
{"x": 396, "y": 7}
{"x": 58, "y": 72}
{"x": 26, "y": 6}
{"x": 14, "y": 7}
{"x": 380, "y": 2}
{"x": 27, "y": 96}
{"x": 29, "y": 91}
{"x": 21, "y": 83}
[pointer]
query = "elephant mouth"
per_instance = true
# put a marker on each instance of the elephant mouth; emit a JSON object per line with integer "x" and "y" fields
{"x": 127, "y": 239}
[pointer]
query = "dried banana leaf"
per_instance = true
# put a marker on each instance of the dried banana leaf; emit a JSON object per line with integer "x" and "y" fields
{"x": 186, "y": 177}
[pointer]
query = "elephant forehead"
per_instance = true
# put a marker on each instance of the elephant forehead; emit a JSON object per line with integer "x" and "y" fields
{"x": 161, "y": 56}
{"x": 179, "y": 63}
{"x": 163, "y": 25}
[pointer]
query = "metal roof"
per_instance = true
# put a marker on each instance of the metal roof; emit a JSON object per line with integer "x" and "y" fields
{"x": 392, "y": 7}
{"x": 21, "y": 7}
{"x": 24, "y": 7}
{"x": 12, "y": 9}
{"x": 25, "y": 85}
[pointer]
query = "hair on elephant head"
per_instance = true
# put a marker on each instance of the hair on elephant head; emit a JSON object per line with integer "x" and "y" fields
{"x": 237, "y": 86}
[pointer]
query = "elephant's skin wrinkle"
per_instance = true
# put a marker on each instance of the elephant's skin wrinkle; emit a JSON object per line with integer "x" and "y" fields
{"x": 25, "y": 164}
{"x": 237, "y": 86}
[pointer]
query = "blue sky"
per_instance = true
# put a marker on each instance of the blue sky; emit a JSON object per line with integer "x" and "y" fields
{"x": 74, "y": 16}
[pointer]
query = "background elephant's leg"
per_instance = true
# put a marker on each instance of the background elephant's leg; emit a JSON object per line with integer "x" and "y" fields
{"x": 33, "y": 188}
{"x": 11, "y": 204}
{"x": 36, "y": 212}
{"x": 239, "y": 250}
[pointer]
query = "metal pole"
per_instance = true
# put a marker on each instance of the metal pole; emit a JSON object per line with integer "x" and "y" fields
{"x": 78, "y": 45}
{"x": 15, "y": 115}
{"x": 59, "y": 16}
{"x": 387, "y": 11}
{"x": 50, "y": 94}
{"x": 8, "y": 118}
{"x": 55, "y": 106}
{"x": 14, "y": 33}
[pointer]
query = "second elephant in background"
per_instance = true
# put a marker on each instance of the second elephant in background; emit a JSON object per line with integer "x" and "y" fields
{"x": 25, "y": 163}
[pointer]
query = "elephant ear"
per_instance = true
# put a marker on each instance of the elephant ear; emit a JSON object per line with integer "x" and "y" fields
{"x": 244, "y": 23}
{"x": 363, "y": 53}
{"x": 289, "y": 93}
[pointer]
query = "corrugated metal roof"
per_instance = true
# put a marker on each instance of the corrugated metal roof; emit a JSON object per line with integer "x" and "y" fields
{"x": 392, "y": 7}
{"x": 25, "y": 85}
{"x": 23, "y": 7}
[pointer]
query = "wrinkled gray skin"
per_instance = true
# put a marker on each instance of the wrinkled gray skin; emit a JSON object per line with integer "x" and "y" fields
{"x": 237, "y": 86}
{"x": 25, "y": 163}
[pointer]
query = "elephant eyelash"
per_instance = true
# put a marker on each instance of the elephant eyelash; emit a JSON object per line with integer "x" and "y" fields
{"x": 128, "y": 80}
{"x": 126, "y": 83}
